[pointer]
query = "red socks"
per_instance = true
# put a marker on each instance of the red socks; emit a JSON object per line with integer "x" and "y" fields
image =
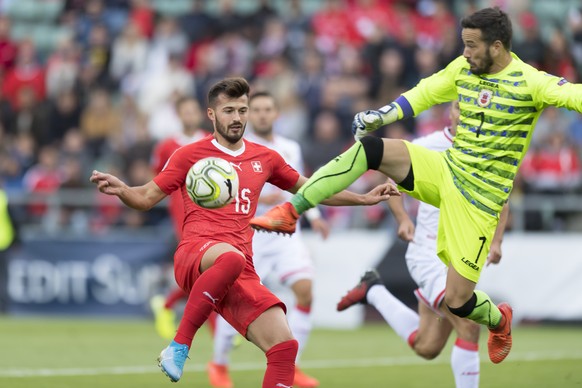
{"x": 208, "y": 290}
{"x": 281, "y": 365}
{"x": 174, "y": 296}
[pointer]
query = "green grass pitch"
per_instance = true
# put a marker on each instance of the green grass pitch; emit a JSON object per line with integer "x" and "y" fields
{"x": 62, "y": 353}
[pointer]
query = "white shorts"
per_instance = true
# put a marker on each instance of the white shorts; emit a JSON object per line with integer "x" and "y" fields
{"x": 428, "y": 272}
{"x": 283, "y": 257}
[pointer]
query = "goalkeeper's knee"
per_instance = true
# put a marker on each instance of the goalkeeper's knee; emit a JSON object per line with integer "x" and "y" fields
{"x": 374, "y": 149}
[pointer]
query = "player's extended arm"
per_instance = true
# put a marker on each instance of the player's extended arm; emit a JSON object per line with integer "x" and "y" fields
{"x": 435, "y": 89}
{"x": 405, "y": 224}
{"x": 370, "y": 120}
{"x": 138, "y": 197}
{"x": 495, "y": 250}
{"x": 347, "y": 198}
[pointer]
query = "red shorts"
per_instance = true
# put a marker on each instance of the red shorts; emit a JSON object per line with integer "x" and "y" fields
{"x": 247, "y": 297}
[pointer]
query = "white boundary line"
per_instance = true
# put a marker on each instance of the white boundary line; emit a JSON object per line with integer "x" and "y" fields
{"x": 313, "y": 364}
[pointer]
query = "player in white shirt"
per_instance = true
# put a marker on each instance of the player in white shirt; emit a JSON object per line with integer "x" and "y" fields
{"x": 284, "y": 258}
{"x": 428, "y": 330}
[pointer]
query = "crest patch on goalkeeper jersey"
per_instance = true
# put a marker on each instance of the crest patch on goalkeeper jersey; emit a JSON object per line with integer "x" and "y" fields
{"x": 485, "y": 96}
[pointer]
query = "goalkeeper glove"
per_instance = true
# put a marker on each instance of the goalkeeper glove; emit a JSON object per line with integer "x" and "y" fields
{"x": 370, "y": 120}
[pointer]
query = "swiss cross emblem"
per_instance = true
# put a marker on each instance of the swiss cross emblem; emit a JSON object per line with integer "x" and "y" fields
{"x": 484, "y": 99}
{"x": 257, "y": 167}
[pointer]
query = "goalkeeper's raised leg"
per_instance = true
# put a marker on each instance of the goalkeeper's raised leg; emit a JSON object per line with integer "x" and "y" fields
{"x": 387, "y": 155}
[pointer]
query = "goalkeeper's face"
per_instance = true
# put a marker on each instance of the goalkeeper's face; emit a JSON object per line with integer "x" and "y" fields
{"x": 477, "y": 52}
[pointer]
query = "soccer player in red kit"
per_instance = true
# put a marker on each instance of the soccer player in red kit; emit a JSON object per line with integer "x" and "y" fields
{"x": 213, "y": 262}
{"x": 190, "y": 115}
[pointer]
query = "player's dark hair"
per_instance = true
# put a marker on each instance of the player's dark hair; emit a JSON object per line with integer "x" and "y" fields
{"x": 494, "y": 25}
{"x": 263, "y": 94}
{"x": 234, "y": 87}
{"x": 182, "y": 100}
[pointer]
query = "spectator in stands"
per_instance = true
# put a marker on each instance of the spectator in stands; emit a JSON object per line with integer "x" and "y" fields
{"x": 333, "y": 26}
{"x": 73, "y": 146}
{"x": 297, "y": 24}
{"x": 27, "y": 73}
{"x": 8, "y": 166}
{"x": 310, "y": 83}
{"x": 158, "y": 85}
{"x": 129, "y": 53}
{"x": 256, "y": 22}
{"x": 169, "y": 38}
{"x": 8, "y": 48}
{"x": 558, "y": 58}
{"x": 326, "y": 141}
{"x": 532, "y": 48}
{"x": 575, "y": 25}
{"x": 133, "y": 124}
{"x": 99, "y": 120}
{"x": 273, "y": 42}
{"x": 17, "y": 159}
{"x": 74, "y": 217}
{"x": 553, "y": 166}
{"x": 163, "y": 120}
{"x": 198, "y": 24}
{"x": 6, "y": 112}
{"x": 552, "y": 119}
{"x": 88, "y": 15}
{"x": 142, "y": 14}
{"x": 63, "y": 67}
{"x": 97, "y": 54}
{"x": 45, "y": 177}
{"x": 64, "y": 115}
{"x": 30, "y": 116}
{"x": 235, "y": 53}
{"x": 451, "y": 47}
{"x": 389, "y": 81}
{"x": 229, "y": 18}
{"x": 575, "y": 132}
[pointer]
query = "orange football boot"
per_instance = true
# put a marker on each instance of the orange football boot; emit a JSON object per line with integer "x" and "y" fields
{"x": 218, "y": 376}
{"x": 301, "y": 380}
{"x": 499, "y": 343}
{"x": 280, "y": 219}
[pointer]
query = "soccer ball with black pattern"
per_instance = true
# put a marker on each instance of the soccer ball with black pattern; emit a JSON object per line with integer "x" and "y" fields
{"x": 212, "y": 183}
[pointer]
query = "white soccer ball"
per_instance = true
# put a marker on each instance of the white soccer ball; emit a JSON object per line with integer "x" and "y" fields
{"x": 212, "y": 183}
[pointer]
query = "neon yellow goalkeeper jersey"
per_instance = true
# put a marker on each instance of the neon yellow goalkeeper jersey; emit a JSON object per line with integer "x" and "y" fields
{"x": 498, "y": 114}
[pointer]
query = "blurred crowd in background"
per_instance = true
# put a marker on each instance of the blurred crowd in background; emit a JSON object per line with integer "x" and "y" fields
{"x": 91, "y": 84}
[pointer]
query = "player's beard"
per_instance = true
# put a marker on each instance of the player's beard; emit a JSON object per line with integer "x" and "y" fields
{"x": 486, "y": 65}
{"x": 229, "y": 137}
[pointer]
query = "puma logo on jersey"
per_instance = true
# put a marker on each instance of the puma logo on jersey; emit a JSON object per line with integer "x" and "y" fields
{"x": 207, "y": 294}
{"x": 236, "y": 165}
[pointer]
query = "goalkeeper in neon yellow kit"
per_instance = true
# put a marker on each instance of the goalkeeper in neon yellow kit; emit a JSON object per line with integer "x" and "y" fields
{"x": 501, "y": 99}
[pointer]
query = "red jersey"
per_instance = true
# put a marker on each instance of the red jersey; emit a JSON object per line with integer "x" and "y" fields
{"x": 160, "y": 156}
{"x": 255, "y": 165}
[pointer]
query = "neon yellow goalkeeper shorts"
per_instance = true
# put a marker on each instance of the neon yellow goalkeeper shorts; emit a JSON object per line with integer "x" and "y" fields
{"x": 465, "y": 232}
